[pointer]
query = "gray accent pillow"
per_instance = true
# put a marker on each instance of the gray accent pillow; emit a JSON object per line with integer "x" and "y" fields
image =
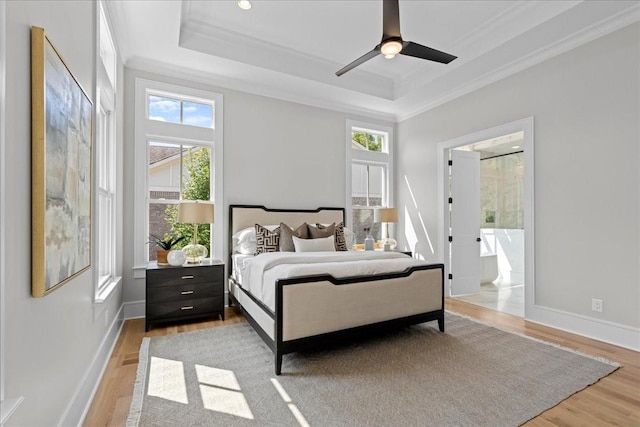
{"x": 320, "y": 231}
{"x": 287, "y": 233}
{"x": 267, "y": 240}
{"x": 327, "y": 230}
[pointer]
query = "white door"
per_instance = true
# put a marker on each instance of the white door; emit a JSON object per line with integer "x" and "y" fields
{"x": 465, "y": 222}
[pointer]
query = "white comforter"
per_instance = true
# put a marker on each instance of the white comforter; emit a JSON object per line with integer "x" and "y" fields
{"x": 262, "y": 272}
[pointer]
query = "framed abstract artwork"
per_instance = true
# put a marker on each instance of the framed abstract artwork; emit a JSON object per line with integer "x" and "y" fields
{"x": 61, "y": 143}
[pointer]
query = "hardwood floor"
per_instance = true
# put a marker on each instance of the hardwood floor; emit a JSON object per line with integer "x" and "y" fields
{"x": 614, "y": 400}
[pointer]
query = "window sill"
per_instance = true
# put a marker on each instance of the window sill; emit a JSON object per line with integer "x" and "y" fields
{"x": 104, "y": 294}
{"x": 8, "y": 407}
{"x": 140, "y": 271}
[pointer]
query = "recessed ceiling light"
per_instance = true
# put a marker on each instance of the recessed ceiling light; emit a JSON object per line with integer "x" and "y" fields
{"x": 244, "y": 4}
{"x": 516, "y": 146}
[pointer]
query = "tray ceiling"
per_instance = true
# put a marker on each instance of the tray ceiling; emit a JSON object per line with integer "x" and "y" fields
{"x": 292, "y": 49}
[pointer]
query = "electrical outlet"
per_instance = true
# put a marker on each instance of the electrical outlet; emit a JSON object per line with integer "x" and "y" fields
{"x": 596, "y": 305}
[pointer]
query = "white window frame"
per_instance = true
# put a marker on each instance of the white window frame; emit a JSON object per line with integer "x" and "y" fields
{"x": 105, "y": 162}
{"x": 365, "y": 157}
{"x": 147, "y": 129}
{"x": 106, "y": 190}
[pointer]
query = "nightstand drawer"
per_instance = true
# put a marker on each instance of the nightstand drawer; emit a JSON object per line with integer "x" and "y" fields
{"x": 178, "y": 276}
{"x": 186, "y": 291}
{"x": 186, "y": 308}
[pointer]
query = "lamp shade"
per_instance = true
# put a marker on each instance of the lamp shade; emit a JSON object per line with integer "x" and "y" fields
{"x": 195, "y": 212}
{"x": 385, "y": 215}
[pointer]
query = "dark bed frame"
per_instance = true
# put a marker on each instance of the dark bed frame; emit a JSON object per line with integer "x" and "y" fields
{"x": 280, "y": 347}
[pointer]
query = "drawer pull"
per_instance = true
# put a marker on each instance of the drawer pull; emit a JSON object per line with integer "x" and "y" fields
{"x": 187, "y": 277}
{"x": 190, "y": 307}
{"x": 186, "y": 292}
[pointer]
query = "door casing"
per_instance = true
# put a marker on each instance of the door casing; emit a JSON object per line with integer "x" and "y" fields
{"x": 525, "y": 125}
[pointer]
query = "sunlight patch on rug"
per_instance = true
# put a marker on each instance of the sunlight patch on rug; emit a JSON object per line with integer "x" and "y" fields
{"x": 166, "y": 380}
{"x": 221, "y": 392}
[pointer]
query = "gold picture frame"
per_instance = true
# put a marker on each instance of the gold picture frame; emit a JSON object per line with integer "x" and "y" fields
{"x": 61, "y": 145}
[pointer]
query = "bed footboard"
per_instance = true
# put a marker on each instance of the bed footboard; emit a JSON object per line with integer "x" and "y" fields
{"x": 313, "y": 309}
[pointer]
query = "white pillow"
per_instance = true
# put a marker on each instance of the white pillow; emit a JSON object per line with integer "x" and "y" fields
{"x": 323, "y": 244}
{"x": 244, "y": 241}
{"x": 348, "y": 237}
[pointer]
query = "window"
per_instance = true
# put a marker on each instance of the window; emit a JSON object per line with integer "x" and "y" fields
{"x": 178, "y": 157}
{"x": 176, "y": 172}
{"x": 105, "y": 145}
{"x": 106, "y": 194}
{"x": 369, "y": 176}
{"x": 178, "y": 111}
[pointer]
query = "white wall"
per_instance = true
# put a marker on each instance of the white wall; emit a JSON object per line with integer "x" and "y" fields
{"x": 276, "y": 153}
{"x": 586, "y": 108}
{"x": 507, "y": 244}
{"x": 52, "y": 344}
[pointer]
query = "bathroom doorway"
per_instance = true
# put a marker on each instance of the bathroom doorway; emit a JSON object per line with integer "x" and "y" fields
{"x": 487, "y": 219}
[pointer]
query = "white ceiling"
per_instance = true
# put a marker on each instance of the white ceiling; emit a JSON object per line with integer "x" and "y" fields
{"x": 292, "y": 49}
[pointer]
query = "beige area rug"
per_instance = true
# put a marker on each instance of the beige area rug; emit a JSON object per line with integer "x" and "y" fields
{"x": 471, "y": 375}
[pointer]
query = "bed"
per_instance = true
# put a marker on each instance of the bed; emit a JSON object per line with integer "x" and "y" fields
{"x": 303, "y": 299}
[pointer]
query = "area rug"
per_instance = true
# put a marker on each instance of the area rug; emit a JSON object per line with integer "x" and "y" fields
{"x": 471, "y": 375}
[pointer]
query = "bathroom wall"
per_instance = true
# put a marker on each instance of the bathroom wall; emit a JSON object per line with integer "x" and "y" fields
{"x": 508, "y": 245}
{"x": 502, "y": 191}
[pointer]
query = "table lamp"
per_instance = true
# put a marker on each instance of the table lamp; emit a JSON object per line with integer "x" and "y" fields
{"x": 387, "y": 215}
{"x": 196, "y": 212}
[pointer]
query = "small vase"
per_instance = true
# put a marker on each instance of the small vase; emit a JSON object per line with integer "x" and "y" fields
{"x": 176, "y": 258}
{"x": 162, "y": 257}
{"x": 369, "y": 243}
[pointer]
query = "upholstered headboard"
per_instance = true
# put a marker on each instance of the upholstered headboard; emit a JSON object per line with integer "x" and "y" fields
{"x": 243, "y": 216}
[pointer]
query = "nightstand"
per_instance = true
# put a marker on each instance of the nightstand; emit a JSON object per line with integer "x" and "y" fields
{"x": 186, "y": 292}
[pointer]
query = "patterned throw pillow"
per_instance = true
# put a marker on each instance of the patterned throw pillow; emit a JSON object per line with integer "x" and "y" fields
{"x": 287, "y": 233}
{"x": 266, "y": 240}
{"x": 336, "y": 229}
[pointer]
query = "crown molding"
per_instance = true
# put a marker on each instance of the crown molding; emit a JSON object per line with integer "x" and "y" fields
{"x": 608, "y": 25}
{"x": 284, "y": 92}
{"x": 229, "y": 44}
{"x": 520, "y": 17}
{"x": 351, "y": 99}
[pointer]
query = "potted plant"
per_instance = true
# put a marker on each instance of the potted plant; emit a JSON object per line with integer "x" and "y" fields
{"x": 165, "y": 245}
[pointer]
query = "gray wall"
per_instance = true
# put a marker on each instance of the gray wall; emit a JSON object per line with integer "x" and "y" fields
{"x": 50, "y": 342}
{"x": 276, "y": 153}
{"x": 586, "y": 108}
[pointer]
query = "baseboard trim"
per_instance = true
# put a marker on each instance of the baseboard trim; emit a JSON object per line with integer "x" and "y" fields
{"x": 601, "y": 330}
{"x": 80, "y": 403}
{"x": 134, "y": 309}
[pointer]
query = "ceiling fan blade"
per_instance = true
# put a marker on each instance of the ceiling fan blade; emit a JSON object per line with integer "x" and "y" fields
{"x": 390, "y": 19}
{"x": 364, "y": 58}
{"x": 418, "y": 51}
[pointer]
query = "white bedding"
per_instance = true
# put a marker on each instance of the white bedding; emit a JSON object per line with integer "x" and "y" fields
{"x": 260, "y": 273}
{"x": 240, "y": 263}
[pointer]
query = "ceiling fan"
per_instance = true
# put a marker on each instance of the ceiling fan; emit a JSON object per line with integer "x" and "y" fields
{"x": 392, "y": 43}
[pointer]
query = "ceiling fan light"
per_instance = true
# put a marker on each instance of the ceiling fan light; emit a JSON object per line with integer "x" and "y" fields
{"x": 391, "y": 47}
{"x": 244, "y": 4}
{"x": 389, "y": 56}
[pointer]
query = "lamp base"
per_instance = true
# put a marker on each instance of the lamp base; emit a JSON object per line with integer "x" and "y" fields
{"x": 389, "y": 243}
{"x": 195, "y": 253}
